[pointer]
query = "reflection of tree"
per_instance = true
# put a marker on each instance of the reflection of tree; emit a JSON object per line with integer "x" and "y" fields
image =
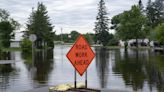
{"x": 131, "y": 69}
{"x": 6, "y": 70}
{"x": 27, "y": 56}
{"x": 138, "y": 66}
{"x": 5, "y": 55}
{"x": 155, "y": 71}
{"x": 43, "y": 65}
{"x": 5, "y": 73}
{"x": 102, "y": 64}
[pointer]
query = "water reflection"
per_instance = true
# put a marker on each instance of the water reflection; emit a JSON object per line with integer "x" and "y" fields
{"x": 102, "y": 64}
{"x": 6, "y": 56}
{"x": 155, "y": 71}
{"x": 137, "y": 67}
{"x": 42, "y": 66}
{"x": 130, "y": 67}
{"x": 6, "y": 71}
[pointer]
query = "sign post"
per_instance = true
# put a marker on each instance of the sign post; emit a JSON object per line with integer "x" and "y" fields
{"x": 86, "y": 79}
{"x": 32, "y": 38}
{"x": 75, "y": 79}
{"x": 80, "y": 56}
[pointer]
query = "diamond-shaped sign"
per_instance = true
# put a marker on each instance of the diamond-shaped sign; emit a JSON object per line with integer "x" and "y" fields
{"x": 80, "y": 55}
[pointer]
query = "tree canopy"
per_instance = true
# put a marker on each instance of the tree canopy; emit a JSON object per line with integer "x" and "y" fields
{"x": 74, "y": 35}
{"x": 7, "y": 27}
{"x": 130, "y": 24}
{"x": 39, "y": 24}
{"x": 140, "y": 5}
{"x": 160, "y": 33}
{"x": 101, "y": 26}
{"x": 155, "y": 12}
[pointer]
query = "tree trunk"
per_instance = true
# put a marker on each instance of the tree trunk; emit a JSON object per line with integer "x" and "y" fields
{"x": 35, "y": 44}
{"x": 44, "y": 44}
{"x": 148, "y": 42}
{"x": 125, "y": 45}
{"x": 136, "y": 43}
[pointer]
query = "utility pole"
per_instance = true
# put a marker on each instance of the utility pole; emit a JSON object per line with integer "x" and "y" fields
{"x": 61, "y": 34}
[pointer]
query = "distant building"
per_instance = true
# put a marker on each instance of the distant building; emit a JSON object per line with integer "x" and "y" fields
{"x": 17, "y": 40}
{"x": 15, "y": 44}
{"x": 132, "y": 42}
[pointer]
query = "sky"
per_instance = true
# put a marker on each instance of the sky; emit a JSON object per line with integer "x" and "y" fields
{"x": 79, "y": 15}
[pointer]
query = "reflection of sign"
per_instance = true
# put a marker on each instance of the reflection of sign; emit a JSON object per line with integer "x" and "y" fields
{"x": 80, "y": 55}
{"x": 32, "y": 37}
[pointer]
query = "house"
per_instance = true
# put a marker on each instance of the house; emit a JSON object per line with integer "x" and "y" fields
{"x": 132, "y": 42}
{"x": 17, "y": 40}
{"x": 15, "y": 44}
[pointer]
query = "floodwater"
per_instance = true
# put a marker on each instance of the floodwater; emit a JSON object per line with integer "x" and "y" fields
{"x": 134, "y": 70}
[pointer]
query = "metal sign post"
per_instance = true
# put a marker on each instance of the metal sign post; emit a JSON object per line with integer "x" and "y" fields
{"x": 81, "y": 56}
{"x": 86, "y": 79}
{"x": 75, "y": 79}
{"x": 32, "y": 38}
{"x": 32, "y": 53}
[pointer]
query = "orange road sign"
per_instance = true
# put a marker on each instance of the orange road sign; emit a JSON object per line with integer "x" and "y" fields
{"x": 80, "y": 55}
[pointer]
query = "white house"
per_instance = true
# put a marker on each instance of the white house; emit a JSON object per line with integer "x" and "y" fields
{"x": 146, "y": 41}
{"x": 17, "y": 40}
{"x": 15, "y": 44}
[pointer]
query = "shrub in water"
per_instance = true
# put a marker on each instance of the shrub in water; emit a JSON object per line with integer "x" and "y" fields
{"x": 26, "y": 45}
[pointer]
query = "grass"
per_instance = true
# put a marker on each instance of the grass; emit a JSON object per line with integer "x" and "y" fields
{"x": 11, "y": 49}
{"x": 114, "y": 47}
{"x": 144, "y": 47}
{"x": 109, "y": 47}
{"x": 118, "y": 47}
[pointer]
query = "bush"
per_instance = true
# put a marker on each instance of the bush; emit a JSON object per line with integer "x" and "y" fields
{"x": 160, "y": 33}
{"x": 50, "y": 44}
{"x": 113, "y": 42}
{"x": 26, "y": 45}
{"x": 0, "y": 49}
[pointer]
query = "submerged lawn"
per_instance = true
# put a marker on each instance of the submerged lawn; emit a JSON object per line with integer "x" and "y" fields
{"x": 11, "y": 49}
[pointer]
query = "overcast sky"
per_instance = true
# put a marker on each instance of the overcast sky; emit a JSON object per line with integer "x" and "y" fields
{"x": 71, "y": 15}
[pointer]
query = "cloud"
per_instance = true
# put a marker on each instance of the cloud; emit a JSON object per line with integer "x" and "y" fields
{"x": 71, "y": 15}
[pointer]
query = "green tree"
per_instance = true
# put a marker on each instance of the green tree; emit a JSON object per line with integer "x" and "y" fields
{"x": 140, "y": 5}
{"x": 130, "y": 25}
{"x": 160, "y": 33}
{"x": 155, "y": 15}
{"x": 89, "y": 38}
{"x": 113, "y": 40}
{"x": 39, "y": 24}
{"x": 4, "y": 15}
{"x": 7, "y": 33}
{"x": 65, "y": 37}
{"x": 74, "y": 35}
{"x": 159, "y": 4}
{"x": 26, "y": 45}
{"x": 101, "y": 26}
{"x": 7, "y": 27}
{"x": 155, "y": 12}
